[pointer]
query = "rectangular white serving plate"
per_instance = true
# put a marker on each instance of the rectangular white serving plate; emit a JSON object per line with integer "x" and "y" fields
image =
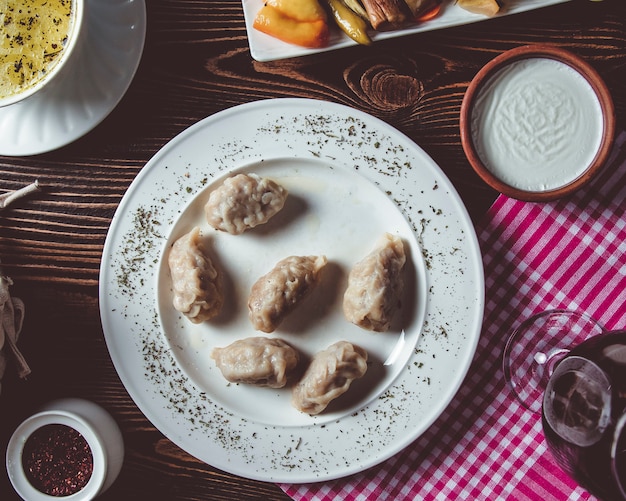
{"x": 265, "y": 48}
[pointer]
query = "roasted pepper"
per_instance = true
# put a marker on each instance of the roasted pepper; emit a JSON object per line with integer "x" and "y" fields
{"x": 484, "y": 7}
{"x": 350, "y": 23}
{"x": 310, "y": 30}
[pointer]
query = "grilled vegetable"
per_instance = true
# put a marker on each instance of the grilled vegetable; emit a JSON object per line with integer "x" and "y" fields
{"x": 424, "y": 10}
{"x": 305, "y": 23}
{"x": 484, "y": 7}
{"x": 300, "y": 10}
{"x": 350, "y": 22}
{"x": 300, "y": 22}
{"x": 386, "y": 13}
{"x": 357, "y": 7}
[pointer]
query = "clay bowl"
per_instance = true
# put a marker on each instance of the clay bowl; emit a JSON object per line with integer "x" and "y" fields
{"x": 475, "y": 127}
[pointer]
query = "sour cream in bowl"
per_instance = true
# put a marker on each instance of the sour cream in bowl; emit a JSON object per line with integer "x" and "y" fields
{"x": 537, "y": 123}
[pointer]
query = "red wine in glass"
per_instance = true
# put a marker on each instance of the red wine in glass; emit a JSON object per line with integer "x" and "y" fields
{"x": 583, "y": 414}
{"x": 567, "y": 366}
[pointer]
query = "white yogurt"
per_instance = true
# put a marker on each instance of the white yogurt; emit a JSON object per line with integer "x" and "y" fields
{"x": 537, "y": 124}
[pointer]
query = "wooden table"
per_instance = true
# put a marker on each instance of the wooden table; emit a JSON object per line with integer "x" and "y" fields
{"x": 197, "y": 62}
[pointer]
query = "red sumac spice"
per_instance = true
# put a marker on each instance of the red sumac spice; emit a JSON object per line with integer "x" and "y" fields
{"x": 57, "y": 460}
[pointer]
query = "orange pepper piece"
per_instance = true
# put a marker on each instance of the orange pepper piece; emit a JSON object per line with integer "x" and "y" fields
{"x": 429, "y": 14}
{"x": 271, "y": 21}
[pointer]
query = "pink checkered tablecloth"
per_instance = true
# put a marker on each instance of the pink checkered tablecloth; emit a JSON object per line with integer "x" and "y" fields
{"x": 565, "y": 254}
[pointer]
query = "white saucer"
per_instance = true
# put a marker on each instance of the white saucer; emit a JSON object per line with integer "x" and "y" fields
{"x": 89, "y": 89}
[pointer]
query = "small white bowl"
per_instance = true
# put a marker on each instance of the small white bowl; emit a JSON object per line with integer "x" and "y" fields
{"x": 76, "y": 34}
{"x": 97, "y": 427}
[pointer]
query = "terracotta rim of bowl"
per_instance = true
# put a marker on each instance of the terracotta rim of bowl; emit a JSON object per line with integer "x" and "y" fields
{"x": 528, "y": 52}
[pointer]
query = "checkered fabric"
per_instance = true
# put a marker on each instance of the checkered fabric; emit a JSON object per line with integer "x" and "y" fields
{"x": 486, "y": 446}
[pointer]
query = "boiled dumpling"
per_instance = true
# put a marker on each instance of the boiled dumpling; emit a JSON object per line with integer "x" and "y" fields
{"x": 243, "y": 202}
{"x": 329, "y": 375}
{"x": 259, "y": 361}
{"x": 375, "y": 285}
{"x": 195, "y": 281}
{"x": 277, "y": 293}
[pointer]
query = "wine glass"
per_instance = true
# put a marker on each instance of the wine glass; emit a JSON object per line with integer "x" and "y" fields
{"x": 566, "y": 365}
{"x": 535, "y": 347}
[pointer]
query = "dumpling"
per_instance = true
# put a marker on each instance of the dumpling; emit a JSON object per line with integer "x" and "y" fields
{"x": 329, "y": 376}
{"x": 195, "y": 281}
{"x": 375, "y": 285}
{"x": 259, "y": 361}
{"x": 243, "y": 202}
{"x": 277, "y": 293}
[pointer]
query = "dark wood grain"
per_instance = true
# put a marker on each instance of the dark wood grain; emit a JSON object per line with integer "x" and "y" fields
{"x": 197, "y": 62}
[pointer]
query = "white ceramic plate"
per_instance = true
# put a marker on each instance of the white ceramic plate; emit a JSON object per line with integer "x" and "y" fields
{"x": 88, "y": 89}
{"x": 266, "y": 48}
{"x": 331, "y": 211}
{"x": 351, "y": 177}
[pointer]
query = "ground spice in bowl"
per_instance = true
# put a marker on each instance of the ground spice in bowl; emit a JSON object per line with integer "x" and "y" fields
{"x": 71, "y": 449}
{"x": 57, "y": 460}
